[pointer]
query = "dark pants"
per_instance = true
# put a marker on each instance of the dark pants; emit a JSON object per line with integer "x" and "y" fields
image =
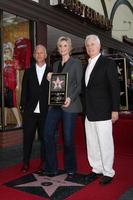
{"x": 53, "y": 117}
{"x": 31, "y": 124}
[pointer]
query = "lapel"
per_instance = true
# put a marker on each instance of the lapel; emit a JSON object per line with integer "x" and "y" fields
{"x": 95, "y": 69}
{"x": 68, "y": 65}
{"x": 56, "y": 66}
{"x": 83, "y": 78}
{"x": 44, "y": 75}
{"x": 35, "y": 75}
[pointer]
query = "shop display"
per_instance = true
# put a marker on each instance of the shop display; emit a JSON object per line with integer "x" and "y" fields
{"x": 22, "y": 53}
{"x": 16, "y": 58}
{"x": 10, "y": 82}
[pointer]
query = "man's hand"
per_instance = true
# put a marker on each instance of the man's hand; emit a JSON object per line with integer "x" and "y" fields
{"x": 115, "y": 116}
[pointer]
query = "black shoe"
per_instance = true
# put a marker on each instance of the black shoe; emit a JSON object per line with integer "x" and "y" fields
{"x": 52, "y": 174}
{"x": 25, "y": 168}
{"x": 70, "y": 175}
{"x": 41, "y": 172}
{"x": 106, "y": 180}
{"x": 44, "y": 173}
{"x": 41, "y": 165}
{"x": 92, "y": 177}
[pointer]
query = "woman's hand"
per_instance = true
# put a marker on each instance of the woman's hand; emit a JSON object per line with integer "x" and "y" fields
{"x": 49, "y": 76}
{"x": 67, "y": 102}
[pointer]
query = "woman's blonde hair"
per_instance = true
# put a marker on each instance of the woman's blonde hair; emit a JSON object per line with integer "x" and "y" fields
{"x": 67, "y": 39}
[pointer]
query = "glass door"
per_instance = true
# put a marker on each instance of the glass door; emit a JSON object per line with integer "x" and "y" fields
{"x": 16, "y": 56}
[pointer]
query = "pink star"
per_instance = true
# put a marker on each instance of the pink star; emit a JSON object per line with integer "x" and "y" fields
{"x": 50, "y": 184}
{"x": 57, "y": 83}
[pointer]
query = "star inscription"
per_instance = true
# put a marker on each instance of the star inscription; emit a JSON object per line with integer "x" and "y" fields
{"x": 57, "y": 83}
{"x": 49, "y": 184}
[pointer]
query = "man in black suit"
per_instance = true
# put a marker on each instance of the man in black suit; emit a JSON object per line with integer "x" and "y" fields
{"x": 102, "y": 97}
{"x": 34, "y": 103}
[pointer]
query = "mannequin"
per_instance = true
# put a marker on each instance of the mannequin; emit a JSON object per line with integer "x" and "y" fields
{"x": 11, "y": 83}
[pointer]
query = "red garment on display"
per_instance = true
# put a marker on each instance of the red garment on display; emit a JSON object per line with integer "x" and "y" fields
{"x": 22, "y": 53}
{"x": 9, "y": 74}
{"x": 10, "y": 99}
{"x": 10, "y": 83}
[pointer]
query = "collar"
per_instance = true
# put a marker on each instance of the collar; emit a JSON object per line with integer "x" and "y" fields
{"x": 41, "y": 68}
{"x": 94, "y": 59}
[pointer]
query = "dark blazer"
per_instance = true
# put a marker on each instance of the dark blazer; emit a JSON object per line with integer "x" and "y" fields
{"x": 32, "y": 92}
{"x": 74, "y": 69}
{"x": 102, "y": 94}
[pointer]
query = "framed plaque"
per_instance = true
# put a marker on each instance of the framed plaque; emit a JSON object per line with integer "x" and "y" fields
{"x": 122, "y": 74}
{"x": 58, "y": 88}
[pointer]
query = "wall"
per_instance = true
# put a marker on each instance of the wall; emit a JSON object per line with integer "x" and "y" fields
{"x": 123, "y": 18}
{"x": 122, "y": 23}
{"x": 95, "y": 4}
{"x": 10, "y": 138}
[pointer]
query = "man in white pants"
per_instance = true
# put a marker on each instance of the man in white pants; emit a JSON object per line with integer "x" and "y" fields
{"x": 102, "y": 97}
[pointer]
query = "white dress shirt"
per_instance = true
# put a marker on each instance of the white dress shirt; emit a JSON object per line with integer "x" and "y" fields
{"x": 91, "y": 64}
{"x": 40, "y": 72}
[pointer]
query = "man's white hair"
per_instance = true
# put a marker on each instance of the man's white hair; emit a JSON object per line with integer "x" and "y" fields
{"x": 40, "y": 46}
{"x": 93, "y": 37}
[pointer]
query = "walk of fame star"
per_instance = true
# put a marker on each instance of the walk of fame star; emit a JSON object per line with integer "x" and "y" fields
{"x": 50, "y": 184}
{"x": 54, "y": 188}
{"x": 57, "y": 83}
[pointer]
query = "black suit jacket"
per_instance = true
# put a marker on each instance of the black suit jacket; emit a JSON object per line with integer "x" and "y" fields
{"x": 32, "y": 92}
{"x": 102, "y": 94}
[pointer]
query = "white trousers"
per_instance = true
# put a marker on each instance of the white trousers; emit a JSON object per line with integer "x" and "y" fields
{"x": 100, "y": 146}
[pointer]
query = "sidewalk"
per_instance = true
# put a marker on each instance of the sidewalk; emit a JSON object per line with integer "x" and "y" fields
{"x": 12, "y": 155}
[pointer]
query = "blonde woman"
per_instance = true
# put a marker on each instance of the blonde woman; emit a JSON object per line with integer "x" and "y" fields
{"x": 67, "y": 113}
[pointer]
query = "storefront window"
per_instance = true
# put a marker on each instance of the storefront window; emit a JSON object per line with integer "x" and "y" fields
{"x": 16, "y": 51}
{"x": 78, "y": 44}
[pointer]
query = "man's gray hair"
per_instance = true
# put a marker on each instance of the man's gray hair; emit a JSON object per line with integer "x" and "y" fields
{"x": 42, "y": 46}
{"x": 94, "y": 37}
